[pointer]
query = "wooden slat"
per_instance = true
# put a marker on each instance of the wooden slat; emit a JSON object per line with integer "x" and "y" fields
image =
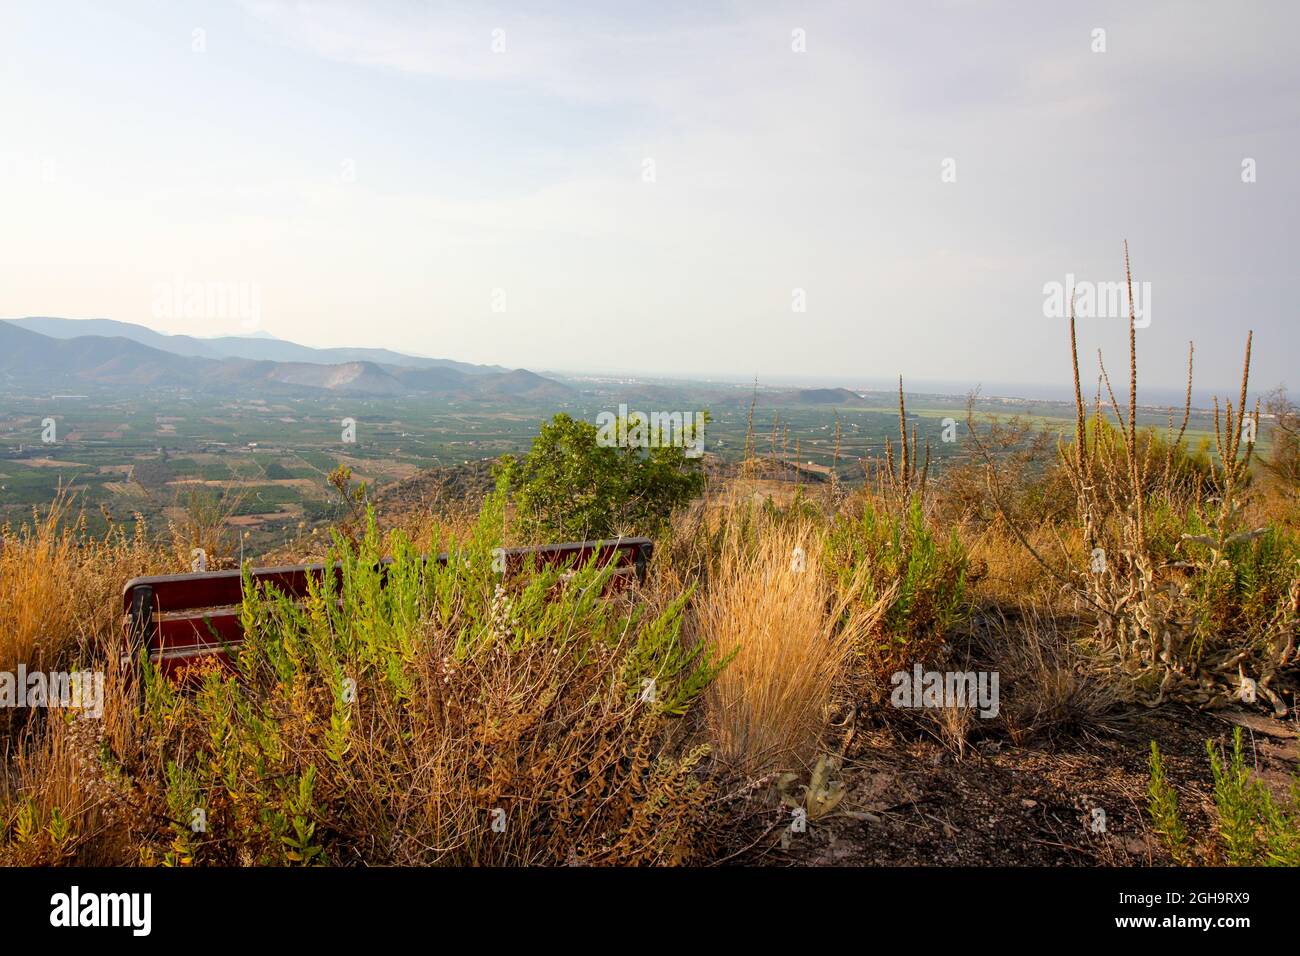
{"x": 184, "y": 618}
{"x": 182, "y": 592}
{"x": 217, "y": 626}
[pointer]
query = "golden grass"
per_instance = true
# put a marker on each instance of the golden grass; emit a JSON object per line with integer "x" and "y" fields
{"x": 60, "y": 800}
{"x": 36, "y": 572}
{"x": 769, "y": 603}
{"x": 1006, "y": 574}
{"x": 59, "y": 586}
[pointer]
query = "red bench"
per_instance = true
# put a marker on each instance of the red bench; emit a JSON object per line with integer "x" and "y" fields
{"x": 184, "y": 618}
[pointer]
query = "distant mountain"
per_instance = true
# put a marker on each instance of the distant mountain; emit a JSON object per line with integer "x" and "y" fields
{"x": 30, "y": 359}
{"x": 827, "y": 396}
{"x": 77, "y": 328}
{"x": 521, "y": 383}
{"x": 258, "y": 347}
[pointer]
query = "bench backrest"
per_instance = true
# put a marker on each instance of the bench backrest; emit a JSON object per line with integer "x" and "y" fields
{"x": 184, "y": 618}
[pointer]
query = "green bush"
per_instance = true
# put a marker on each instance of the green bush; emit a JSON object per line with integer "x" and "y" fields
{"x": 1254, "y": 829}
{"x": 1240, "y": 596}
{"x": 392, "y": 716}
{"x": 901, "y": 551}
{"x": 570, "y": 488}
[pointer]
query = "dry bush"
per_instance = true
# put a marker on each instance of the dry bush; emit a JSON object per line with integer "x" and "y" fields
{"x": 396, "y": 723}
{"x": 202, "y": 524}
{"x": 1031, "y": 488}
{"x": 1283, "y": 458}
{"x": 769, "y": 604}
{"x": 441, "y": 506}
{"x": 60, "y": 586}
{"x": 1189, "y": 601}
{"x": 1047, "y": 684}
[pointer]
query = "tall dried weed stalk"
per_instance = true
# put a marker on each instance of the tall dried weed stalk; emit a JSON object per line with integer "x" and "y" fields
{"x": 1189, "y": 604}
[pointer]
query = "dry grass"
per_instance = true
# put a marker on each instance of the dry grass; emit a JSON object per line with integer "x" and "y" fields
{"x": 60, "y": 609}
{"x": 1007, "y": 574}
{"x": 59, "y": 585}
{"x": 62, "y": 801}
{"x": 1049, "y": 687}
{"x": 769, "y": 603}
{"x": 467, "y": 705}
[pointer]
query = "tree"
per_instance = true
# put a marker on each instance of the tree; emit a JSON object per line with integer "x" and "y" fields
{"x": 572, "y": 487}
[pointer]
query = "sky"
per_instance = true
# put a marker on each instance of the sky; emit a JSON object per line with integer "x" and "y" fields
{"x": 794, "y": 191}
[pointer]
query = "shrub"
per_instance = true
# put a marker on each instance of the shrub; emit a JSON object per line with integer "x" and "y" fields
{"x": 1283, "y": 460}
{"x": 1032, "y": 489}
{"x": 1254, "y": 828}
{"x": 1189, "y": 615}
{"x": 1241, "y": 598}
{"x": 397, "y": 724}
{"x": 920, "y": 576}
{"x": 1162, "y": 803}
{"x": 1047, "y": 688}
{"x": 568, "y": 487}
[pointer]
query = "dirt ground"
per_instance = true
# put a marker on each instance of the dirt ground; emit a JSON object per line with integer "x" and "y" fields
{"x": 1078, "y": 801}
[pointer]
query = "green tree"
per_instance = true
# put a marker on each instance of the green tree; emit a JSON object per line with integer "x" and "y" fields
{"x": 572, "y": 487}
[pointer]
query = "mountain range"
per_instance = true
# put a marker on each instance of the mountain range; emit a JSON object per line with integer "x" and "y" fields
{"x": 46, "y": 352}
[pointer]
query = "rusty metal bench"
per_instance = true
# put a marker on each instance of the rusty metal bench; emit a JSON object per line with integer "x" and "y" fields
{"x": 184, "y": 618}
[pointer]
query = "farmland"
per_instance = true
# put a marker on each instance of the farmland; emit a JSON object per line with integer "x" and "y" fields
{"x": 266, "y": 461}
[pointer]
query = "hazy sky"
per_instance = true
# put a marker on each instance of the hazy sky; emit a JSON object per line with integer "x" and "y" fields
{"x": 561, "y": 186}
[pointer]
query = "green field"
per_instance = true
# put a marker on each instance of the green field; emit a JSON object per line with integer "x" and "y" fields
{"x": 267, "y": 460}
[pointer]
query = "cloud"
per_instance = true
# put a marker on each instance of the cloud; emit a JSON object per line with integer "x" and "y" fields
{"x": 774, "y": 170}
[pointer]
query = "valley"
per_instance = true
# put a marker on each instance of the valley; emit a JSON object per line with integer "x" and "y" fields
{"x": 156, "y": 452}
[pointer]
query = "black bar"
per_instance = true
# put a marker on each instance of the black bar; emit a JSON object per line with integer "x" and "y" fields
{"x": 979, "y": 907}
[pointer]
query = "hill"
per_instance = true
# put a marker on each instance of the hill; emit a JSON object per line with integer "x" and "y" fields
{"x": 260, "y": 348}
{"x": 31, "y": 359}
{"x": 827, "y": 396}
